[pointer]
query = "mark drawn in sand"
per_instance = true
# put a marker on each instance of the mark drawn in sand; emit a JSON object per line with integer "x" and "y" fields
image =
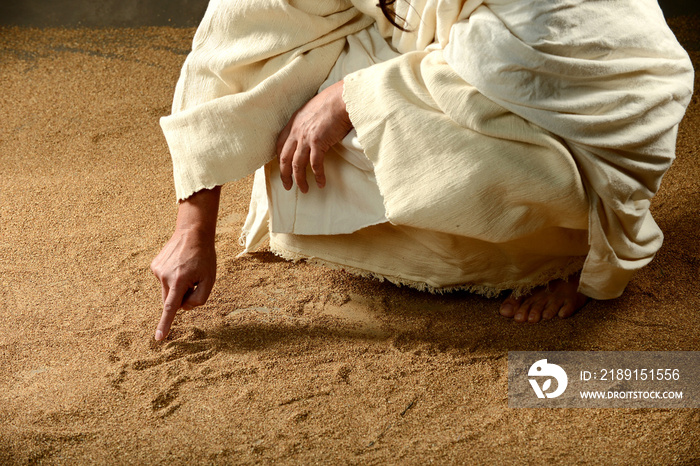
{"x": 171, "y": 365}
{"x": 193, "y": 357}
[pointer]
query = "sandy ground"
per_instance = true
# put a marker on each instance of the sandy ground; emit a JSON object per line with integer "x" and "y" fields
{"x": 287, "y": 362}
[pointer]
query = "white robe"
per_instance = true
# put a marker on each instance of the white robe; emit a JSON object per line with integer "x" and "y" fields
{"x": 462, "y": 130}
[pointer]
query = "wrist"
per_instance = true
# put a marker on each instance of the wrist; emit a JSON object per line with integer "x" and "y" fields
{"x": 202, "y": 231}
{"x": 341, "y": 106}
{"x": 198, "y": 213}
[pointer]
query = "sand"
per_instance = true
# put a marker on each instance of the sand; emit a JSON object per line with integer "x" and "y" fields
{"x": 287, "y": 362}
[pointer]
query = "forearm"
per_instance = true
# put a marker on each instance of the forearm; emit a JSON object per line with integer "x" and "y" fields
{"x": 199, "y": 212}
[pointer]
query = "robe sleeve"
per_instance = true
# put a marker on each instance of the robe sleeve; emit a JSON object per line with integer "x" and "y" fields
{"x": 253, "y": 64}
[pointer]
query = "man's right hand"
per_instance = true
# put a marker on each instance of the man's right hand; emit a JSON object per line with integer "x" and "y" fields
{"x": 186, "y": 266}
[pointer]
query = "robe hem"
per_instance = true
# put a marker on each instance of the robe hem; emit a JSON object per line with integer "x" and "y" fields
{"x": 517, "y": 289}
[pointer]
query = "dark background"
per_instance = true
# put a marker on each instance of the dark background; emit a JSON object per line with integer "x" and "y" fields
{"x": 179, "y": 13}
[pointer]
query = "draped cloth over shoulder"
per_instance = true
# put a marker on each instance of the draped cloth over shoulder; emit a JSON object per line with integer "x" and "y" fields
{"x": 561, "y": 83}
{"x": 607, "y": 77}
{"x": 610, "y": 79}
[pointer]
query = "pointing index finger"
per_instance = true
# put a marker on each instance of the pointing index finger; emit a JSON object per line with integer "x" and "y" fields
{"x": 173, "y": 302}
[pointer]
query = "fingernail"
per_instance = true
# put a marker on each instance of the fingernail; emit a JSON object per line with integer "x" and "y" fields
{"x": 506, "y": 309}
{"x": 320, "y": 185}
{"x": 159, "y": 335}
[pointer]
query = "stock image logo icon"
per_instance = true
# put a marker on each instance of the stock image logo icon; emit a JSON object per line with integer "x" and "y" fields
{"x": 543, "y": 369}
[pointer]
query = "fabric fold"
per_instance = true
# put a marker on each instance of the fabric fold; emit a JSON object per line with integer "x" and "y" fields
{"x": 221, "y": 128}
{"x": 615, "y": 98}
{"x": 516, "y": 127}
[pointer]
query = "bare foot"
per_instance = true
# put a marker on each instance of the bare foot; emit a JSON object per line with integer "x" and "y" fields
{"x": 557, "y": 298}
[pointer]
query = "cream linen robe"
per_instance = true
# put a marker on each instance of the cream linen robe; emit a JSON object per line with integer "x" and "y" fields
{"x": 475, "y": 168}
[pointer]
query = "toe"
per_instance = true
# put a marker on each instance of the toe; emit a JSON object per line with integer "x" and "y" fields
{"x": 536, "y": 311}
{"x": 510, "y": 306}
{"x": 522, "y": 312}
{"x": 551, "y": 310}
{"x": 507, "y": 310}
{"x": 567, "y": 310}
